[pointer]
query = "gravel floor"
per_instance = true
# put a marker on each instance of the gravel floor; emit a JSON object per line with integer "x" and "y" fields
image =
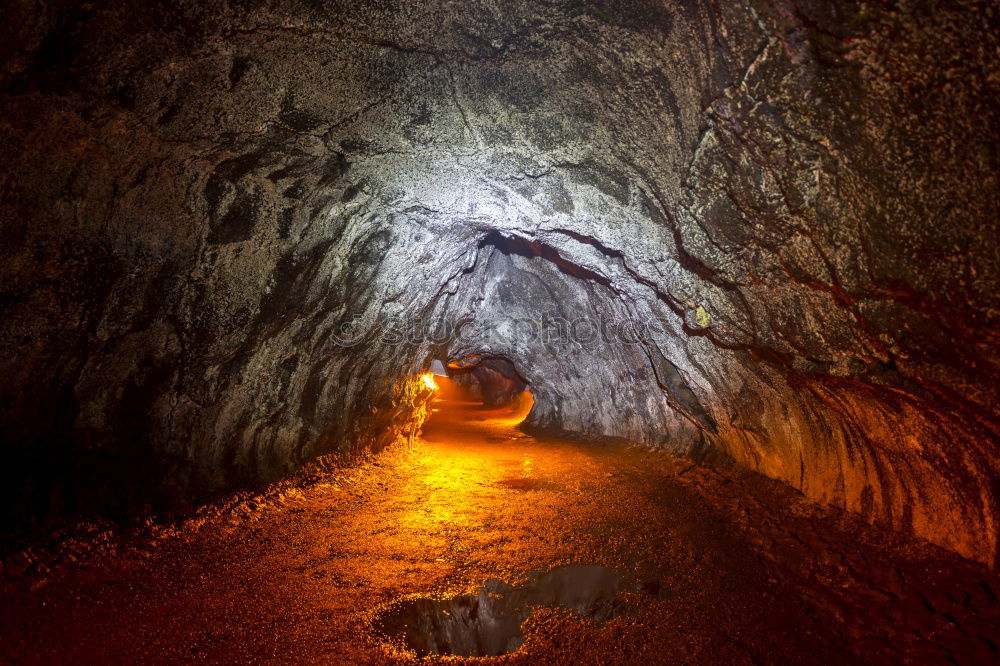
{"x": 718, "y": 566}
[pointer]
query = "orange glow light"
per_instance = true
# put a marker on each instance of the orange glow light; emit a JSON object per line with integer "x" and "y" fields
{"x": 429, "y": 381}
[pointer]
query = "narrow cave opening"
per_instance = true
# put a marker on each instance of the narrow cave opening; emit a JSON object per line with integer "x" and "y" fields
{"x": 480, "y": 386}
{"x": 492, "y": 380}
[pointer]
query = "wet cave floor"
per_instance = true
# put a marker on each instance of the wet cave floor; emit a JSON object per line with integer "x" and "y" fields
{"x": 682, "y": 564}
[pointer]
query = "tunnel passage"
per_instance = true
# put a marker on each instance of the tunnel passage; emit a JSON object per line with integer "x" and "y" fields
{"x": 754, "y": 229}
{"x": 493, "y": 381}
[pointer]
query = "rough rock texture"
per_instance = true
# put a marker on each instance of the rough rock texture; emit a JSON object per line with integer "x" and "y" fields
{"x": 219, "y": 219}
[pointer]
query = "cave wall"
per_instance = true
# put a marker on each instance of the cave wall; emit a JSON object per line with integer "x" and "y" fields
{"x": 218, "y": 221}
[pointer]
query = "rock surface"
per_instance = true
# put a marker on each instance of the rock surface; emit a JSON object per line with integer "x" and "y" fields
{"x": 219, "y": 221}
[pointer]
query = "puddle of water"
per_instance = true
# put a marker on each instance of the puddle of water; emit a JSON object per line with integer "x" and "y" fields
{"x": 489, "y": 623}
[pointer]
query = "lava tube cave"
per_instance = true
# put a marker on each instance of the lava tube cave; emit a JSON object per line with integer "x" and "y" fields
{"x": 501, "y": 331}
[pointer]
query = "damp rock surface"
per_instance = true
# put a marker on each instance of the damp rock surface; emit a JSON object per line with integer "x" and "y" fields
{"x": 213, "y": 212}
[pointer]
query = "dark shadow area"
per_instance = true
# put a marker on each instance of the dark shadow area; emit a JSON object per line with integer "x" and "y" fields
{"x": 54, "y": 492}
